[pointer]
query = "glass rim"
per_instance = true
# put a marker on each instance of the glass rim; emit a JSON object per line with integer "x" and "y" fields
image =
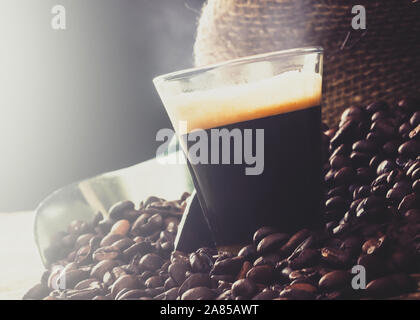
{"x": 185, "y": 73}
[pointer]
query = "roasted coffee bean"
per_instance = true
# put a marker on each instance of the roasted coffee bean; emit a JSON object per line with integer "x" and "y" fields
{"x": 344, "y": 134}
{"x": 383, "y": 128}
{"x": 244, "y": 287}
{"x": 337, "y": 191}
{"x": 125, "y": 282}
{"x": 374, "y": 264}
{"x": 106, "y": 253}
{"x": 267, "y": 294}
{"x": 335, "y": 257}
{"x": 141, "y": 248}
{"x": 244, "y": 270}
{"x": 106, "y": 225}
{"x": 384, "y": 167}
{"x": 271, "y": 259}
{"x": 120, "y": 227}
{"x": 177, "y": 271}
{"x": 262, "y": 233}
{"x": 352, "y": 112}
{"x": 154, "y": 282}
{"x": 147, "y": 224}
{"x": 389, "y": 286}
{"x": 344, "y": 175}
{"x": 335, "y": 280}
{"x": 410, "y": 201}
{"x": 365, "y": 146}
{"x": 415, "y": 133}
{"x": 337, "y": 162}
{"x": 306, "y": 275}
{"x": 133, "y": 294}
{"x": 299, "y": 241}
{"x": 228, "y": 266}
{"x": 336, "y": 203}
{"x": 272, "y": 242}
{"x": 249, "y": 252}
{"x": 416, "y": 187}
{"x": 261, "y": 274}
{"x": 151, "y": 261}
{"x": 123, "y": 244}
{"x": 194, "y": 281}
{"x": 199, "y": 293}
{"x": 306, "y": 258}
{"x": 84, "y": 284}
{"x": 99, "y": 270}
{"x": 299, "y": 291}
{"x": 119, "y": 210}
{"x": 409, "y": 148}
{"x": 110, "y": 239}
{"x": 200, "y": 262}
{"x": 170, "y": 294}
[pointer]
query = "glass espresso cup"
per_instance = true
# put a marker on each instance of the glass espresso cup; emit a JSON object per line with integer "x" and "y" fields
{"x": 251, "y": 132}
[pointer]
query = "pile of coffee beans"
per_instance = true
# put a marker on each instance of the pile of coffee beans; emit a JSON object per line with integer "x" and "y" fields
{"x": 367, "y": 247}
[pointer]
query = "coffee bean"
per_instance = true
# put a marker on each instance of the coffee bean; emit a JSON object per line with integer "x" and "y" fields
{"x": 410, "y": 201}
{"x": 151, "y": 261}
{"x": 336, "y": 203}
{"x": 110, "y": 239}
{"x": 389, "y": 286}
{"x": 119, "y": 210}
{"x": 409, "y": 148}
{"x": 248, "y": 252}
{"x": 344, "y": 175}
{"x": 299, "y": 292}
{"x": 106, "y": 253}
{"x": 262, "y": 233}
{"x": 199, "y": 293}
{"x": 120, "y": 227}
{"x": 374, "y": 265}
{"x": 415, "y": 119}
{"x": 99, "y": 270}
{"x": 337, "y": 162}
{"x": 270, "y": 258}
{"x": 133, "y": 294}
{"x": 272, "y": 242}
{"x": 335, "y": 280}
{"x": 244, "y": 270}
{"x": 194, "y": 281}
{"x": 228, "y": 266}
{"x": 124, "y": 282}
{"x": 154, "y": 282}
{"x": 200, "y": 262}
{"x": 266, "y": 295}
{"x": 335, "y": 257}
{"x": 306, "y": 258}
{"x": 365, "y": 146}
{"x": 415, "y": 133}
{"x": 261, "y": 274}
{"x": 244, "y": 287}
{"x": 178, "y": 272}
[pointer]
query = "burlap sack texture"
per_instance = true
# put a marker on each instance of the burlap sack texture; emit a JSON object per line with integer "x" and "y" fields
{"x": 381, "y": 62}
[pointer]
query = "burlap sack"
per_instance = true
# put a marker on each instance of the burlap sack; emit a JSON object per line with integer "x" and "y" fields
{"x": 381, "y": 62}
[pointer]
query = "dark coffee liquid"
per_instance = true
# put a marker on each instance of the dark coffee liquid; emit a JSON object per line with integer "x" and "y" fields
{"x": 286, "y": 195}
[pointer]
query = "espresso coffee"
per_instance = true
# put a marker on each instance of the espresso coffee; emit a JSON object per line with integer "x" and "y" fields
{"x": 286, "y": 194}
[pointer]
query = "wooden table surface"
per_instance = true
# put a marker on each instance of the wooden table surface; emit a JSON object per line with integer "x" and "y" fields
{"x": 20, "y": 264}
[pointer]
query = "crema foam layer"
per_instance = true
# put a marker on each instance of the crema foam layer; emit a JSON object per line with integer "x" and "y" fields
{"x": 289, "y": 91}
